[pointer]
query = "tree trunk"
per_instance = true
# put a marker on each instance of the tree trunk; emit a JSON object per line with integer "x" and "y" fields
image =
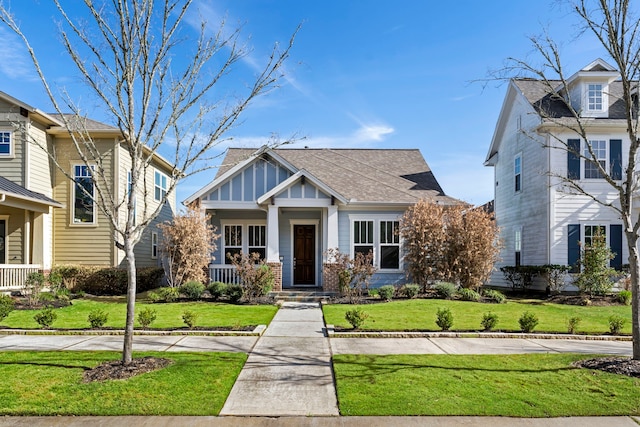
{"x": 127, "y": 349}
{"x": 634, "y": 264}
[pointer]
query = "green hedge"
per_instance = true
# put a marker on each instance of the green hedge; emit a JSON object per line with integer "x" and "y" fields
{"x": 109, "y": 281}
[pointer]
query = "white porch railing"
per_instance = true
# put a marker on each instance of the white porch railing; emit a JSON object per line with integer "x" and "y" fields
{"x": 224, "y": 273}
{"x": 13, "y": 276}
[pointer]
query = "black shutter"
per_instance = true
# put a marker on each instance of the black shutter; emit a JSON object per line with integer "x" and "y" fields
{"x": 615, "y": 158}
{"x": 573, "y": 159}
{"x": 615, "y": 242}
{"x": 574, "y": 247}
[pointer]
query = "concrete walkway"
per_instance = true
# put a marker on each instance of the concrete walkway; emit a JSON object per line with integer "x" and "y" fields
{"x": 289, "y": 370}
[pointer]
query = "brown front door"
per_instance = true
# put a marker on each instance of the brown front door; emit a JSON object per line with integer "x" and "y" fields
{"x": 304, "y": 270}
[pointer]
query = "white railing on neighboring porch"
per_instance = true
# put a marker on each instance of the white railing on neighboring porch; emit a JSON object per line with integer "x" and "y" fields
{"x": 13, "y": 276}
{"x": 224, "y": 273}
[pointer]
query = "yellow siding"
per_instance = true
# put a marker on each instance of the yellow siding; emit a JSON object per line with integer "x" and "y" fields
{"x": 15, "y": 233}
{"x": 12, "y": 167}
{"x": 40, "y": 168}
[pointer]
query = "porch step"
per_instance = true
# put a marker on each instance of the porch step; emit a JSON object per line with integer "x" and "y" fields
{"x": 302, "y": 296}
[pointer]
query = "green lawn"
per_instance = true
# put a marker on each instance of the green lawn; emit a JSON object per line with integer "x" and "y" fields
{"x": 420, "y": 314}
{"x": 168, "y": 315}
{"x": 50, "y": 383}
{"x": 505, "y": 385}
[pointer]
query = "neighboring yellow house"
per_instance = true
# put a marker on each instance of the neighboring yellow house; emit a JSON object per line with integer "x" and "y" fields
{"x": 45, "y": 219}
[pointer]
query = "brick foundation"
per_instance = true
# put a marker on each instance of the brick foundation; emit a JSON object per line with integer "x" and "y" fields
{"x": 276, "y": 268}
{"x": 330, "y": 281}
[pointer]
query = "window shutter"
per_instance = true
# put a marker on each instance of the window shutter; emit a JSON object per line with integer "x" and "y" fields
{"x": 615, "y": 158}
{"x": 573, "y": 159}
{"x": 574, "y": 247}
{"x": 615, "y": 241}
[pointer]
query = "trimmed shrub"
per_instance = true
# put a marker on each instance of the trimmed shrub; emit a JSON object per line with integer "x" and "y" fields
{"x": 467, "y": 294}
{"x": 595, "y": 276}
{"x": 495, "y": 296}
{"x": 616, "y": 323}
{"x": 410, "y": 290}
{"x": 445, "y": 290}
{"x": 444, "y": 319}
{"x": 356, "y": 317}
{"x": 189, "y": 318}
{"x": 146, "y": 317}
{"x": 97, "y": 318}
{"x": 33, "y": 287}
{"x": 386, "y": 292}
{"x": 572, "y": 324}
{"x": 45, "y": 317}
{"x": 6, "y": 305}
{"x": 528, "y": 322}
{"x": 98, "y": 280}
{"x": 235, "y": 292}
{"x": 217, "y": 290}
{"x": 489, "y": 321}
{"x": 624, "y": 297}
{"x": 192, "y": 290}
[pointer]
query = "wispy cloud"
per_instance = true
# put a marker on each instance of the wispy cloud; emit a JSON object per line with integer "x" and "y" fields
{"x": 15, "y": 63}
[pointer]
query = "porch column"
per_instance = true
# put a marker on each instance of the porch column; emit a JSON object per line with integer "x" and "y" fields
{"x": 332, "y": 227}
{"x": 273, "y": 235}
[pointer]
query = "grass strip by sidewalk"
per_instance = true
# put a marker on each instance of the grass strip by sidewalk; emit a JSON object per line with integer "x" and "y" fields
{"x": 210, "y": 314}
{"x": 523, "y": 385}
{"x": 50, "y": 383}
{"x": 420, "y": 314}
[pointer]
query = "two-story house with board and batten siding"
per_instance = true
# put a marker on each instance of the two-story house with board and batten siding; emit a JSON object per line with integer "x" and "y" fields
{"x": 292, "y": 205}
{"x": 45, "y": 218}
{"x": 542, "y": 219}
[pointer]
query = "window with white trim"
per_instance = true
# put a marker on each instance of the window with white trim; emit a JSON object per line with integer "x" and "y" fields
{"x": 83, "y": 191}
{"x": 379, "y": 235}
{"x": 232, "y": 242}
{"x": 518, "y": 246}
{"x": 154, "y": 244}
{"x": 246, "y": 237}
{"x": 160, "y": 185}
{"x": 257, "y": 235}
{"x": 591, "y": 230}
{"x": 517, "y": 172}
{"x": 599, "y": 148}
{"x": 6, "y": 146}
{"x": 594, "y": 97}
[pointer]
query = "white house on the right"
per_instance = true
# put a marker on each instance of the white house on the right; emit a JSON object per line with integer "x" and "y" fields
{"x": 541, "y": 218}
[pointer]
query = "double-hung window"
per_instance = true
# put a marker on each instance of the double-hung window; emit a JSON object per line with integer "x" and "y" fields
{"x": 380, "y": 237}
{"x": 5, "y": 143}
{"x": 258, "y": 240}
{"x": 247, "y": 238}
{"x": 232, "y": 242}
{"x": 594, "y": 97}
{"x": 154, "y": 244}
{"x": 517, "y": 172}
{"x": 590, "y": 231}
{"x": 160, "y": 186}
{"x": 83, "y": 192}
{"x": 599, "y": 148}
{"x": 518, "y": 246}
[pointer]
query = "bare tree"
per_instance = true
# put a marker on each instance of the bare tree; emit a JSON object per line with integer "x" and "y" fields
{"x": 617, "y": 31}
{"x": 126, "y": 53}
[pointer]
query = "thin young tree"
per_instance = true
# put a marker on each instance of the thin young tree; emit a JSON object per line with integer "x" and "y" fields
{"x": 617, "y": 31}
{"x": 156, "y": 81}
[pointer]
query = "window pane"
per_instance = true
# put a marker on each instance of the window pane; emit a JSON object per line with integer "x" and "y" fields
{"x": 262, "y": 251}
{"x": 230, "y": 252}
{"x": 83, "y": 205}
{"x": 389, "y": 257}
{"x": 364, "y": 250}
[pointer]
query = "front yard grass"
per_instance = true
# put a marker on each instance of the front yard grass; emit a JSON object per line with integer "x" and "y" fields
{"x": 420, "y": 314}
{"x": 169, "y": 315}
{"x": 50, "y": 383}
{"x": 524, "y": 385}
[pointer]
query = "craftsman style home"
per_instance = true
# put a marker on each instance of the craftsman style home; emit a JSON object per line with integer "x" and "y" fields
{"x": 541, "y": 219}
{"x": 45, "y": 218}
{"x": 292, "y": 205}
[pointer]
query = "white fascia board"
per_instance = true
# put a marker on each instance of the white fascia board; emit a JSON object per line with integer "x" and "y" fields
{"x": 218, "y": 205}
{"x": 293, "y": 179}
{"x": 507, "y": 104}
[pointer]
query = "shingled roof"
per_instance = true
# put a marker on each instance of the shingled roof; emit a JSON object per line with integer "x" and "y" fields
{"x": 10, "y": 188}
{"x": 361, "y": 175}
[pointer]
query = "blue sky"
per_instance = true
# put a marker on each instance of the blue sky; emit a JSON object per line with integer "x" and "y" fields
{"x": 362, "y": 74}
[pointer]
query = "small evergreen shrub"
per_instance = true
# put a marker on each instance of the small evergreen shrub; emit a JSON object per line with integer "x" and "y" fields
{"x": 624, "y": 297}
{"x": 489, "y": 321}
{"x": 572, "y": 324}
{"x": 97, "y": 318}
{"x": 6, "y": 305}
{"x": 217, "y": 290}
{"x": 495, "y": 296}
{"x": 467, "y": 294}
{"x": 410, "y": 290}
{"x": 146, "y": 317}
{"x": 189, "y": 318}
{"x": 45, "y": 317}
{"x": 616, "y": 323}
{"x": 192, "y": 290}
{"x": 168, "y": 294}
{"x": 445, "y": 290}
{"x": 356, "y": 317}
{"x": 386, "y": 292}
{"x": 528, "y": 322}
{"x": 235, "y": 292}
{"x": 444, "y": 319}
{"x": 33, "y": 287}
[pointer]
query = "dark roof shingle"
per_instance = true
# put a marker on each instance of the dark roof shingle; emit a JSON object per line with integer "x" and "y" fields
{"x": 11, "y": 188}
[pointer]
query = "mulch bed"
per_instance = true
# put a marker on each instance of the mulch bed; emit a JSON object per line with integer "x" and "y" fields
{"x": 115, "y": 370}
{"x": 614, "y": 365}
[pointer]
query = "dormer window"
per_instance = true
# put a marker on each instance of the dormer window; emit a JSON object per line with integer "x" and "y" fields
{"x": 594, "y": 97}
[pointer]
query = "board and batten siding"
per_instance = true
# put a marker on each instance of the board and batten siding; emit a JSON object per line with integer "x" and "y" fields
{"x": 73, "y": 243}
